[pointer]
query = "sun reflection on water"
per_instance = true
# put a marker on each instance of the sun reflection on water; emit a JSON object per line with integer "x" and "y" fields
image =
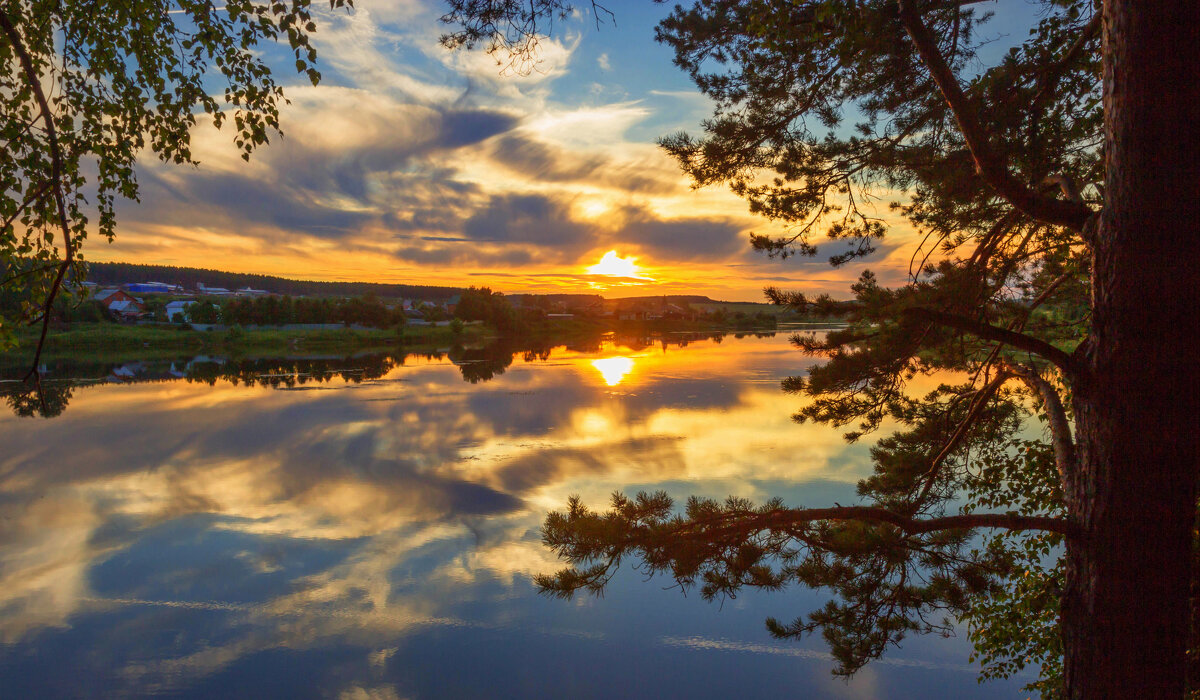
{"x": 613, "y": 369}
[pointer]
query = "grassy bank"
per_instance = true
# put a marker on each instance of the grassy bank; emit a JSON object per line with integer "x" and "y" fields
{"x": 117, "y": 340}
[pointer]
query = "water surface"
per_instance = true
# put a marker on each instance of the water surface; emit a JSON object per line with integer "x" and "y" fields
{"x": 368, "y": 527}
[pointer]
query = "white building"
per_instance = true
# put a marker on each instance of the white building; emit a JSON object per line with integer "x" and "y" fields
{"x": 212, "y": 291}
{"x": 178, "y": 308}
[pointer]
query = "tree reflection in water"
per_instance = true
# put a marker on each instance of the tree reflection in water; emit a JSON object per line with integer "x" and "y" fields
{"x": 46, "y": 395}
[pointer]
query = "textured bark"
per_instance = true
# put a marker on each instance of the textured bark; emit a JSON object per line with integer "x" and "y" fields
{"x": 1125, "y": 612}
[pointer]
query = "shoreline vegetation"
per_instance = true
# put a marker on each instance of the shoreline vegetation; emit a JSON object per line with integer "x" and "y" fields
{"x": 135, "y": 317}
{"x": 116, "y": 341}
{"x": 116, "y": 325}
{"x": 273, "y": 358}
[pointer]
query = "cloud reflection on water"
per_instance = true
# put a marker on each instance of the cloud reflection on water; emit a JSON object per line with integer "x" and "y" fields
{"x": 252, "y": 520}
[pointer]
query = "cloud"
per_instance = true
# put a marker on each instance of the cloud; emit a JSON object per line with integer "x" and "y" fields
{"x": 290, "y": 530}
{"x": 247, "y": 200}
{"x": 351, "y": 161}
{"x": 532, "y": 219}
{"x": 603, "y": 62}
{"x": 686, "y": 239}
{"x": 538, "y": 160}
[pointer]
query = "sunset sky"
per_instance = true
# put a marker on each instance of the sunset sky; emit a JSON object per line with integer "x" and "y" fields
{"x": 411, "y": 163}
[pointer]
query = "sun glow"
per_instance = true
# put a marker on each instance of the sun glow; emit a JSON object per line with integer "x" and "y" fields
{"x": 613, "y": 369}
{"x": 594, "y": 208}
{"x": 613, "y": 266}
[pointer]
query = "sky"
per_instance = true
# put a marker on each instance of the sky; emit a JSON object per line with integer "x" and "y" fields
{"x": 411, "y": 163}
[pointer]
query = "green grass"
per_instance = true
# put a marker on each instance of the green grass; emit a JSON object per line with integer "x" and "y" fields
{"x": 112, "y": 340}
{"x": 118, "y": 342}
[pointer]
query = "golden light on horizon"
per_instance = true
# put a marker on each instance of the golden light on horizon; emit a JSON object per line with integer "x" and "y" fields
{"x": 613, "y": 369}
{"x": 612, "y": 265}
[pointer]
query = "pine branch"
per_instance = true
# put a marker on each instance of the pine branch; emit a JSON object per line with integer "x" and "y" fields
{"x": 977, "y": 406}
{"x": 1067, "y": 185}
{"x": 1059, "y": 358}
{"x": 1055, "y": 72}
{"x": 914, "y": 526}
{"x": 1052, "y": 211}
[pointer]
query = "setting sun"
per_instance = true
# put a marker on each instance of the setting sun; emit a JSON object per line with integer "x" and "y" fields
{"x": 611, "y": 265}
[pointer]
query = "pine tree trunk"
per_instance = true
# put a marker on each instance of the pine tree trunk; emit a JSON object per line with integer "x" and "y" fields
{"x": 1126, "y": 614}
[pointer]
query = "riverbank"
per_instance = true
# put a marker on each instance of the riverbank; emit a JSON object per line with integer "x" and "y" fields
{"x": 113, "y": 340}
{"x": 116, "y": 342}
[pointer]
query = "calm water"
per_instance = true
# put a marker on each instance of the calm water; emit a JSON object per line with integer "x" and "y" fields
{"x": 367, "y": 528}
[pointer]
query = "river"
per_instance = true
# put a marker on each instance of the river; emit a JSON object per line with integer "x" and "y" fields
{"x": 368, "y": 528}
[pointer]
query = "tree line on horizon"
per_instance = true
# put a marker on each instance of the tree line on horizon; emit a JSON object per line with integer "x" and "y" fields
{"x": 106, "y": 274}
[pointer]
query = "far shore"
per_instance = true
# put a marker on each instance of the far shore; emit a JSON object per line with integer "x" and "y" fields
{"x": 115, "y": 341}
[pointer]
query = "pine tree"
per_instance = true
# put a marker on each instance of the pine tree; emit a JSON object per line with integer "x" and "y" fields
{"x": 1056, "y": 192}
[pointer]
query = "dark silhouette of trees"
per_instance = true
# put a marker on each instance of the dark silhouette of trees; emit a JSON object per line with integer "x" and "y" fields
{"x": 37, "y": 398}
{"x": 483, "y": 364}
{"x": 1055, "y": 191}
{"x": 40, "y": 397}
{"x": 203, "y": 311}
{"x": 111, "y": 274}
{"x": 366, "y": 310}
{"x": 84, "y": 89}
{"x": 482, "y": 304}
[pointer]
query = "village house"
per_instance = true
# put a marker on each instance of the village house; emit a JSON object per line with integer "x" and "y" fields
{"x": 129, "y": 309}
{"x": 178, "y": 309}
{"x": 675, "y": 311}
{"x": 652, "y": 310}
{"x": 635, "y": 310}
{"x": 592, "y": 308}
{"x": 212, "y": 291}
{"x": 248, "y": 292}
{"x": 111, "y": 293}
{"x": 152, "y": 288}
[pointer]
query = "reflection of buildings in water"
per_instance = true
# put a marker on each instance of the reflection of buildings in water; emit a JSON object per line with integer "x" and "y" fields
{"x": 613, "y": 369}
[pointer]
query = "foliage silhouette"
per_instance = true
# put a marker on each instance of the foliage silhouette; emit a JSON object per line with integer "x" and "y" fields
{"x": 1053, "y": 191}
{"x": 84, "y": 91}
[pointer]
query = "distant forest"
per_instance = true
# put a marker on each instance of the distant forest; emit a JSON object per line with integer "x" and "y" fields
{"x": 188, "y": 277}
{"x": 105, "y": 274}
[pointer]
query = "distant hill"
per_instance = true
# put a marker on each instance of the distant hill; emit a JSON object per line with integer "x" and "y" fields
{"x": 581, "y": 299}
{"x": 105, "y": 274}
{"x": 188, "y": 277}
{"x": 674, "y": 299}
